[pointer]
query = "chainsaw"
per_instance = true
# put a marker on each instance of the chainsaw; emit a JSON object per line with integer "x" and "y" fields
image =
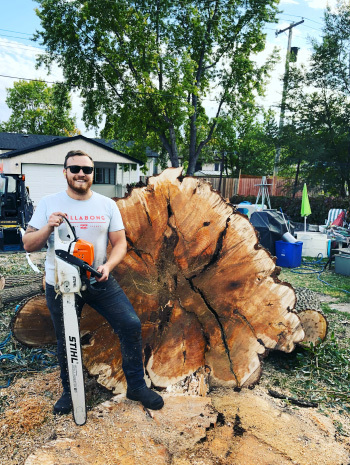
{"x": 73, "y": 269}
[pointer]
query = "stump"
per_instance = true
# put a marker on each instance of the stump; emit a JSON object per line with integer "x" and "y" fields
{"x": 313, "y": 321}
{"x": 207, "y": 294}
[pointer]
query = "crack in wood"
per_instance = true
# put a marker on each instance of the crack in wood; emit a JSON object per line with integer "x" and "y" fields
{"x": 146, "y": 212}
{"x": 218, "y": 248}
{"x": 223, "y": 335}
{"x": 246, "y": 321}
{"x": 238, "y": 429}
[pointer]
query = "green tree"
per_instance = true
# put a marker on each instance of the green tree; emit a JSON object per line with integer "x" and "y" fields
{"x": 315, "y": 140}
{"x": 39, "y": 109}
{"x": 316, "y": 137}
{"x": 246, "y": 142}
{"x": 148, "y": 67}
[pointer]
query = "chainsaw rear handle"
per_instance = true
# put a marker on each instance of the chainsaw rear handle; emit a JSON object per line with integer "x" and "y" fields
{"x": 67, "y": 257}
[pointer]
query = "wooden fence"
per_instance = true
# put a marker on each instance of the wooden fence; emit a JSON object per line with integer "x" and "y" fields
{"x": 229, "y": 186}
{"x": 249, "y": 185}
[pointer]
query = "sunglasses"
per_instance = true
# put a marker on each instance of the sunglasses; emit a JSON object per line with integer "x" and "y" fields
{"x": 75, "y": 169}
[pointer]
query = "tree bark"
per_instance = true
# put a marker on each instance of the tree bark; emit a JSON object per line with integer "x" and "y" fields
{"x": 20, "y": 280}
{"x": 206, "y": 292}
{"x": 14, "y": 294}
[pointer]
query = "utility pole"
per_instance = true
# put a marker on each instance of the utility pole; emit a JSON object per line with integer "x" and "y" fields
{"x": 284, "y": 96}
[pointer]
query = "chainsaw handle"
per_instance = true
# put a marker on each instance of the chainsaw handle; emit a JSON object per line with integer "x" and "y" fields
{"x": 67, "y": 257}
{"x": 94, "y": 272}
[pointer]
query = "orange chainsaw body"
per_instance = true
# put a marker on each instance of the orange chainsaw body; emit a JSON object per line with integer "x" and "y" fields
{"x": 85, "y": 251}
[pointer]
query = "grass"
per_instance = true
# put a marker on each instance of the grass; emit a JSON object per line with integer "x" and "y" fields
{"x": 17, "y": 360}
{"x": 312, "y": 275}
{"x": 318, "y": 373}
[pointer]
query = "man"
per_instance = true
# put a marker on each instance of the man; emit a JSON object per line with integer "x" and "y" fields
{"x": 96, "y": 219}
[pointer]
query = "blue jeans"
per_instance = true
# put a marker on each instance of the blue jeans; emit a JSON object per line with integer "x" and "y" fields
{"x": 115, "y": 307}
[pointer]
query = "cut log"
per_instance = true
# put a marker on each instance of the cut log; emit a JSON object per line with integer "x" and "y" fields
{"x": 312, "y": 319}
{"x": 41, "y": 332}
{"x": 315, "y": 326}
{"x": 207, "y": 294}
{"x": 24, "y": 279}
{"x": 15, "y": 294}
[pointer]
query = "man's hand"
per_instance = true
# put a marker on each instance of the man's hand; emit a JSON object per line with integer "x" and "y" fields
{"x": 56, "y": 219}
{"x": 117, "y": 253}
{"x": 104, "y": 269}
{"x": 35, "y": 239}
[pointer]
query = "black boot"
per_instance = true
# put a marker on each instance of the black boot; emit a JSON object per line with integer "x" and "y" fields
{"x": 64, "y": 404}
{"x": 147, "y": 397}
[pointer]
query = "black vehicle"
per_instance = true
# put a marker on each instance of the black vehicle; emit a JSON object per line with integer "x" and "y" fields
{"x": 16, "y": 211}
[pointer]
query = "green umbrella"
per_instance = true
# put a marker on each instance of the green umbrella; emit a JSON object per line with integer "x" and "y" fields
{"x": 305, "y": 206}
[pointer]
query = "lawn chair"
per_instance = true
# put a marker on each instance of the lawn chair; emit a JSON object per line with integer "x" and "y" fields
{"x": 332, "y": 216}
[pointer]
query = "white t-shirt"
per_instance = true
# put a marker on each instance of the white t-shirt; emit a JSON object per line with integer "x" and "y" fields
{"x": 92, "y": 219}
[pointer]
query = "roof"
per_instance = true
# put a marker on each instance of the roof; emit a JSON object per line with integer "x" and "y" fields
{"x": 207, "y": 173}
{"x": 14, "y": 141}
{"x": 19, "y": 144}
{"x": 110, "y": 143}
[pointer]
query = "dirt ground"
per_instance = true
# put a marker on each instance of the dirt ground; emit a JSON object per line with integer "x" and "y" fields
{"x": 224, "y": 427}
{"x": 341, "y": 307}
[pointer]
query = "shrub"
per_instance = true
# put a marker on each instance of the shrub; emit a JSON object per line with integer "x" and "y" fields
{"x": 320, "y": 206}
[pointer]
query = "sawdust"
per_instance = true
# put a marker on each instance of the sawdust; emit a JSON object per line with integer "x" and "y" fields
{"x": 225, "y": 428}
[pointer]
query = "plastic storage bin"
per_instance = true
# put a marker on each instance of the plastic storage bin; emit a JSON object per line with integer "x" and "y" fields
{"x": 288, "y": 254}
{"x": 342, "y": 264}
{"x": 314, "y": 243}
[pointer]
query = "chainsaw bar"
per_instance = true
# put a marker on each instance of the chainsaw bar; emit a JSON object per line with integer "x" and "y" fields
{"x": 74, "y": 358}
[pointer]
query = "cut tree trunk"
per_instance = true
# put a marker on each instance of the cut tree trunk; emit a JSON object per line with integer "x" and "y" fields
{"x": 207, "y": 294}
{"x": 24, "y": 279}
{"x": 312, "y": 319}
{"x": 315, "y": 326}
{"x": 14, "y": 294}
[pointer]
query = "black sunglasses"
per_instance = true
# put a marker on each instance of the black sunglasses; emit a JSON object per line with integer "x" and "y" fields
{"x": 75, "y": 169}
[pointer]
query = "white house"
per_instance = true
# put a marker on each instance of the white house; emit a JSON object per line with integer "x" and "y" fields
{"x": 41, "y": 158}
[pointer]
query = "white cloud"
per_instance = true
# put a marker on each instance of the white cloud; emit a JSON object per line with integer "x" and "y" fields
{"x": 288, "y": 2}
{"x": 322, "y": 4}
{"x": 18, "y": 61}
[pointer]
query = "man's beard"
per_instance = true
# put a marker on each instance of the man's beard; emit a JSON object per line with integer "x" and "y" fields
{"x": 77, "y": 187}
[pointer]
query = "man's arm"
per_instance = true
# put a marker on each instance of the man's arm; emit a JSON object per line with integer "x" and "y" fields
{"x": 35, "y": 239}
{"x": 118, "y": 252}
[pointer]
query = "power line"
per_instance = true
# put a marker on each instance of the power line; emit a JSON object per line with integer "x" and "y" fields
{"x": 16, "y": 32}
{"x": 29, "y": 79}
{"x": 14, "y": 37}
{"x": 313, "y": 28}
{"x": 139, "y": 93}
{"x": 6, "y": 44}
{"x": 298, "y": 16}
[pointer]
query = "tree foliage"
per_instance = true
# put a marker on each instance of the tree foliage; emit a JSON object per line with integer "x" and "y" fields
{"x": 246, "y": 142}
{"x": 150, "y": 67}
{"x": 39, "y": 109}
{"x": 316, "y": 138}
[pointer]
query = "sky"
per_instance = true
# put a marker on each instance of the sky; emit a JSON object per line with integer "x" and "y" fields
{"x": 18, "y": 22}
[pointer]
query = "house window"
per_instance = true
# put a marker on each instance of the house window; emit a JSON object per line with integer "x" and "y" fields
{"x": 104, "y": 176}
{"x": 217, "y": 167}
